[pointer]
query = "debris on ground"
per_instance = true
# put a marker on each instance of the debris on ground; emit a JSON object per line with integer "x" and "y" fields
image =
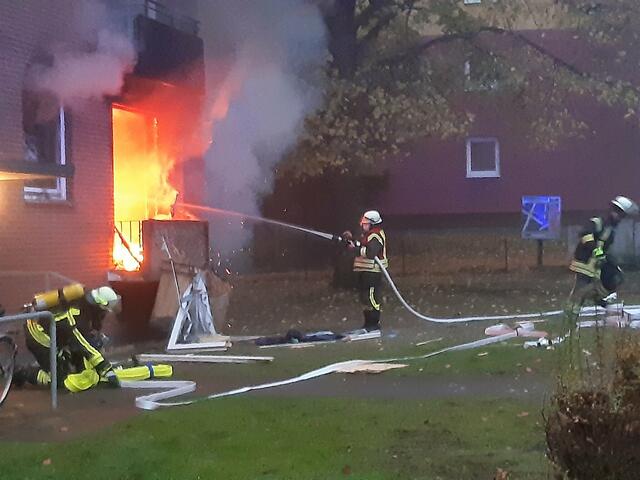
{"x": 370, "y": 368}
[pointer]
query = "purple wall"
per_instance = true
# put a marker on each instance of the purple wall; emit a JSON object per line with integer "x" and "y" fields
{"x": 586, "y": 172}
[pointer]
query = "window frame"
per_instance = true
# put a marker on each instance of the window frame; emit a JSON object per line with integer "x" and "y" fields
{"x": 60, "y": 193}
{"x": 495, "y": 173}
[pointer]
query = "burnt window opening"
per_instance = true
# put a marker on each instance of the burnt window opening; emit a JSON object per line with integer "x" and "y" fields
{"x": 46, "y": 130}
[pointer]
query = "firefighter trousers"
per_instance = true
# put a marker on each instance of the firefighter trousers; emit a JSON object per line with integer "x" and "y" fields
{"x": 369, "y": 287}
{"x": 585, "y": 289}
{"x": 38, "y": 343}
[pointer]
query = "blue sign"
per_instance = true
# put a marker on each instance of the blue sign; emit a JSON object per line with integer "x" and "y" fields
{"x": 541, "y": 217}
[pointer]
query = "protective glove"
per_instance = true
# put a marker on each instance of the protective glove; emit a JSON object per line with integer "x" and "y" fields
{"x": 98, "y": 340}
{"x": 353, "y": 244}
{"x": 599, "y": 255}
{"x": 112, "y": 379}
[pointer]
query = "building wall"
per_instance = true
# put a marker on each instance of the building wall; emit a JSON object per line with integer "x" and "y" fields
{"x": 73, "y": 238}
{"x": 586, "y": 172}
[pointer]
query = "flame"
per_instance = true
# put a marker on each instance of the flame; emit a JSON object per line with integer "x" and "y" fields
{"x": 126, "y": 259}
{"x": 142, "y": 190}
{"x": 159, "y": 126}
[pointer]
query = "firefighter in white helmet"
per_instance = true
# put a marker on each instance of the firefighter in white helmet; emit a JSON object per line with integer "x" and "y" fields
{"x": 597, "y": 274}
{"x": 372, "y": 244}
{"x": 78, "y": 325}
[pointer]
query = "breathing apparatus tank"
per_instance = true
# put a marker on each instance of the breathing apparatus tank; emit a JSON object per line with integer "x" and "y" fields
{"x": 53, "y": 298}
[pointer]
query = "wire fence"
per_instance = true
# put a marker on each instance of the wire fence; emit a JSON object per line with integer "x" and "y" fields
{"x": 410, "y": 252}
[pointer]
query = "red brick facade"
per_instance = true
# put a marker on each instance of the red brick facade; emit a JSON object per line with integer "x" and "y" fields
{"x": 73, "y": 238}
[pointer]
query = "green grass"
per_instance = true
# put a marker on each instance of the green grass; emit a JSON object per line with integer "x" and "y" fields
{"x": 278, "y": 438}
{"x": 499, "y": 359}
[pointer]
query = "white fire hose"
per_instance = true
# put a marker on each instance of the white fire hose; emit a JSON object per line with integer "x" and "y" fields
{"x": 458, "y": 319}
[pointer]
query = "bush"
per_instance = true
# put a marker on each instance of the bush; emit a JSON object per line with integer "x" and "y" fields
{"x": 594, "y": 432}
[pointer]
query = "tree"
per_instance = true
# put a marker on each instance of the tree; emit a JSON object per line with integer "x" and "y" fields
{"x": 402, "y": 70}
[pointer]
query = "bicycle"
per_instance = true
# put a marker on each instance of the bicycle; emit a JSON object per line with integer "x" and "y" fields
{"x": 8, "y": 351}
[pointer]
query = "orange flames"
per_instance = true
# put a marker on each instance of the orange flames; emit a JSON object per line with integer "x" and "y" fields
{"x": 154, "y": 134}
{"x": 141, "y": 187}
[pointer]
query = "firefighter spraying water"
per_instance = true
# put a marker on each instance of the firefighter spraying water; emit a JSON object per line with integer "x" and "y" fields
{"x": 379, "y": 260}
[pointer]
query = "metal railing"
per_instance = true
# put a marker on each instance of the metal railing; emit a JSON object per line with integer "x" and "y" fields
{"x": 53, "y": 350}
{"x": 48, "y": 277}
{"x": 159, "y": 12}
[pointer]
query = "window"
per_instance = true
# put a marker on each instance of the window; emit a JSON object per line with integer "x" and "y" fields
{"x": 472, "y": 2}
{"x": 46, "y": 137}
{"x": 483, "y": 158}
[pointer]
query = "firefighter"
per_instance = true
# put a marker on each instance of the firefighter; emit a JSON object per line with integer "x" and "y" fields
{"x": 80, "y": 363}
{"x": 372, "y": 243}
{"x": 596, "y": 273}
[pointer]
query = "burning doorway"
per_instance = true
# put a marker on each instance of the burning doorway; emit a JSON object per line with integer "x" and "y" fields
{"x": 142, "y": 190}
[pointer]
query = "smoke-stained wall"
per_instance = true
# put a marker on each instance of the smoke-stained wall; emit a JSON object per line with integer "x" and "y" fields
{"x": 82, "y": 60}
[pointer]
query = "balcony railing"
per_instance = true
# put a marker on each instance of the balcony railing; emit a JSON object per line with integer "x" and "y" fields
{"x": 129, "y": 9}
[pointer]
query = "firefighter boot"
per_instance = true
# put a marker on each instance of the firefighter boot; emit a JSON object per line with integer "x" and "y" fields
{"x": 19, "y": 376}
{"x": 371, "y": 320}
{"x": 26, "y": 374}
{"x": 375, "y": 321}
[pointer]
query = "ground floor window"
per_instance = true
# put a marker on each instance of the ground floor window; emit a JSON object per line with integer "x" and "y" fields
{"x": 483, "y": 157}
{"x": 46, "y": 136}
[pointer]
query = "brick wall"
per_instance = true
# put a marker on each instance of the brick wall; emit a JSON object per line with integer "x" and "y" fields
{"x": 74, "y": 238}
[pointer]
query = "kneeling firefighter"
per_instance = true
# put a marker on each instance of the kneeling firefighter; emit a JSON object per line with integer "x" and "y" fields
{"x": 78, "y": 316}
{"x": 372, "y": 243}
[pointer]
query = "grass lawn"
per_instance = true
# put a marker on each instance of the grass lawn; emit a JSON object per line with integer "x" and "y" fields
{"x": 504, "y": 358}
{"x": 280, "y": 438}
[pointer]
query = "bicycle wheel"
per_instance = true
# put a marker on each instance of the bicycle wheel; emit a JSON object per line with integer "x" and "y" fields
{"x": 8, "y": 351}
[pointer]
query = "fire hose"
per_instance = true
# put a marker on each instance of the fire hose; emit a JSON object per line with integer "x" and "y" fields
{"x": 458, "y": 319}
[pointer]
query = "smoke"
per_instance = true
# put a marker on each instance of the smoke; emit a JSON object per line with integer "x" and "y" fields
{"x": 260, "y": 57}
{"x": 94, "y": 71}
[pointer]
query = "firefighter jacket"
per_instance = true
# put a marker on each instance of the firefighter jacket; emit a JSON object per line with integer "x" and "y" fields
{"x": 372, "y": 244}
{"x": 595, "y": 240}
{"x": 74, "y": 324}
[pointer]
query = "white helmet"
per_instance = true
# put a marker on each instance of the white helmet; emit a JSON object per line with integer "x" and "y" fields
{"x": 625, "y": 205}
{"x": 371, "y": 216}
{"x": 106, "y": 298}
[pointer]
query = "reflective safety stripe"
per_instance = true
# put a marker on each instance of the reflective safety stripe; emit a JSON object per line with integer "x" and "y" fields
{"x": 43, "y": 378}
{"x": 372, "y": 299}
{"x": 37, "y": 333}
{"x": 588, "y": 238}
{"x": 589, "y": 269}
{"x": 363, "y": 264}
{"x": 96, "y": 357}
{"x": 377, "y": 237}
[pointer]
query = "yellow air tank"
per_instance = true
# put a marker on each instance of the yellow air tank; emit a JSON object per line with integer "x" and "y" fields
{"x": 54, "y": 298}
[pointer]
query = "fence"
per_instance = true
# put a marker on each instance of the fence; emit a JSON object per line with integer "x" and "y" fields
{"x": 452, "y": 251}
{"x": 410, "y": 252}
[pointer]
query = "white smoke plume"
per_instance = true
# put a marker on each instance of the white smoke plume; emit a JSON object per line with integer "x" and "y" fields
{"x": 91, "y": 72}
{"x": 258, "y": 57}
